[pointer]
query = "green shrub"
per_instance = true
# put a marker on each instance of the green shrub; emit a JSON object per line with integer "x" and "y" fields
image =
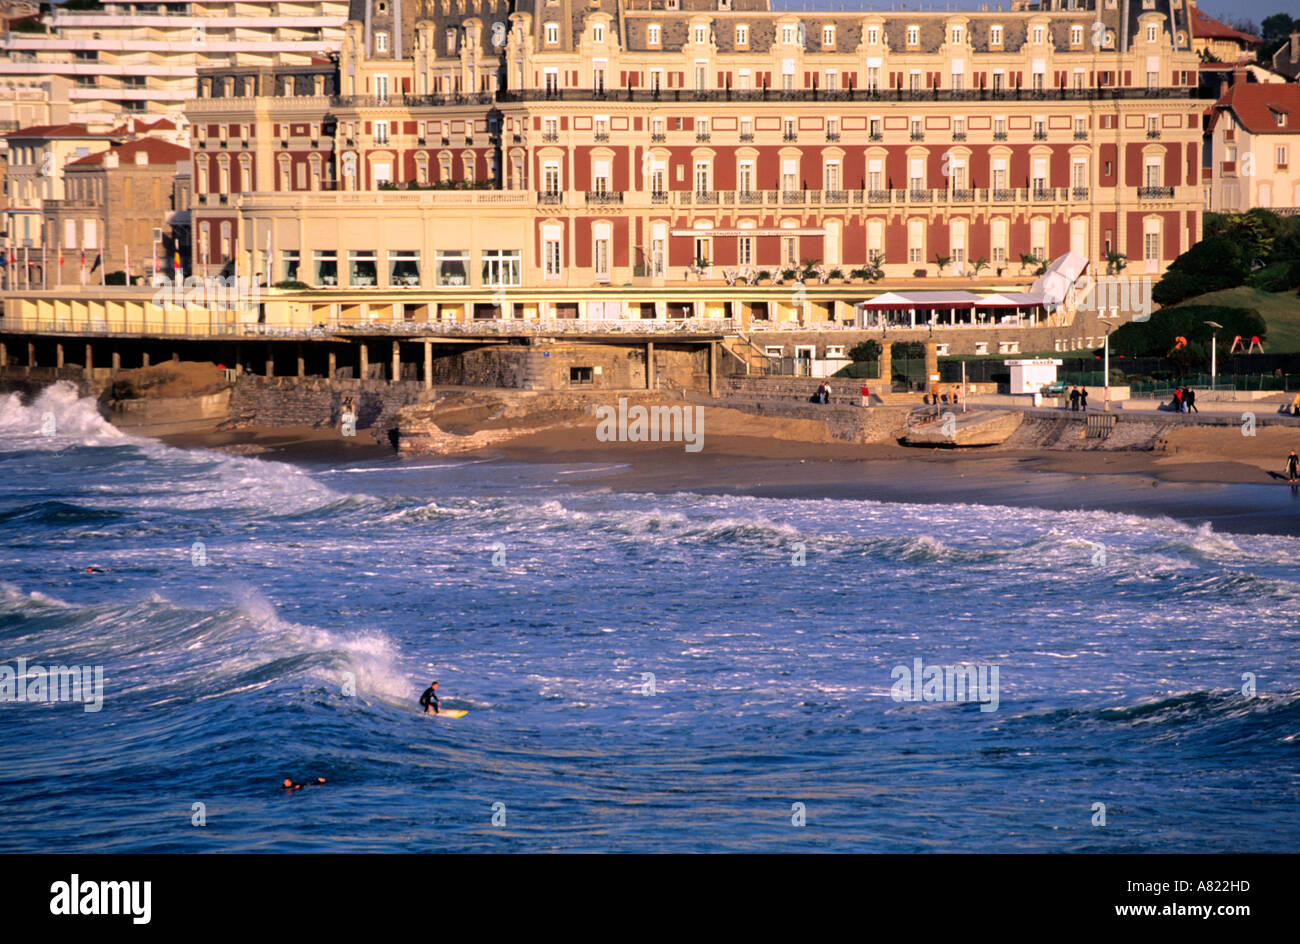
{"x": 292, "y": 284}
{"x": 868, "y": 350}
{"x": 1157, "y": 337}
{"x": 1212, "y": 264}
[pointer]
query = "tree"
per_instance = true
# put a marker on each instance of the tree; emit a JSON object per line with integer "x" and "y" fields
{"x": 1212, "y": 264}
{"x": 941, "y": 261}
{"x": 979, "y": 265}
{"x": 1116, "y": 262}
{"x": 1277, "y": 27}
{"x": 1028, "y": 259}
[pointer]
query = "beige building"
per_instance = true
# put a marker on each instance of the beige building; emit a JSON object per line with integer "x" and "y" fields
{"x": 115, "y": 205}
{"x": 1255, "y": 143}
{"x": 34, "y": 173}
{"x": 1219, "y": 42}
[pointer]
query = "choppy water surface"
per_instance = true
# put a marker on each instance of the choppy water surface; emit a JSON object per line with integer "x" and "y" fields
{"x": 544, "y": 605}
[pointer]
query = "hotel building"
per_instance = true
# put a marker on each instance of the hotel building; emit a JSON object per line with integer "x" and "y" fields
{"x": 620, "y": 158}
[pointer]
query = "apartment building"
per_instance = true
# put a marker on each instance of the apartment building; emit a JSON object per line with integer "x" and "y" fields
{"x": 477, "y": 150}
{"x": 1254, "y": 144}
{"x": 143, "y": 57}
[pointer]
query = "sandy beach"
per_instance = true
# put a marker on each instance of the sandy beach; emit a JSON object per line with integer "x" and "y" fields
{"x": 1199, "y": 474}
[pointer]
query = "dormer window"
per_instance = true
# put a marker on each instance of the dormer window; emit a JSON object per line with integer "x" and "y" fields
{"x": 742, "y": 35}
{"x": 828, "y": 36}
{"x": 913, "y": 35}
{"x": 956, "y": 35}
{"x": 1076, "y": 35}
{"x": 552, "y": 34}
{"x": 1151, "y": 33}
{"x": 873, "y": 35}
{"x": 598, "y": 33}
{"x": 787, "y": 34}
{"x": 1038, "y": 35}
{"x": 1279, "y": 117}
{"x": 381, "y": 42}
{"x": 451, "y": 42}
{"x": 381, "y": 7}
{"x": 995, "y": 35}
{"x": 652, "y": 34}
{"x": 701, "y": 35}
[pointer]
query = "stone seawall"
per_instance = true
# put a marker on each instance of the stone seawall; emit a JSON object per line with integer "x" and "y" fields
{"x": 854, "y": 424}
{"x": 317, "y": 402}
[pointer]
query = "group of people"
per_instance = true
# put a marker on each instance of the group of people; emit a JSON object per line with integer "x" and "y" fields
{"x": 937, "y": 395}
{"x": 1078, "y": 397}
{"x": 1184, "y": 400}
{"x": 823, "y": 394}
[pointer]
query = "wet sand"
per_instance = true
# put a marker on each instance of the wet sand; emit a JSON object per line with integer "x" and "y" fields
{"x": 1206, "y": 475}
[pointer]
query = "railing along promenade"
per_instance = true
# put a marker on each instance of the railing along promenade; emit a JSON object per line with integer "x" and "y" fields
{"x": 476, "y": 328}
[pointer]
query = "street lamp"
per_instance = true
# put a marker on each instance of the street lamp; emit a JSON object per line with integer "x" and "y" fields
{"x": 1105, "y": 363}
{"x": 1214, "y": 360}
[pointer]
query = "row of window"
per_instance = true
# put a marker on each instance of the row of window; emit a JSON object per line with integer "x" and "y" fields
{"x": 451, "y": 267}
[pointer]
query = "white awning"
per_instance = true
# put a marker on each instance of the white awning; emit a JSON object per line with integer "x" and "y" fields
{"x": 768, "y": 231}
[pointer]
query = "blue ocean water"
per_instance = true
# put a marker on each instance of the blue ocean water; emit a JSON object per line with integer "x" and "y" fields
{"x": 239, "y": 603}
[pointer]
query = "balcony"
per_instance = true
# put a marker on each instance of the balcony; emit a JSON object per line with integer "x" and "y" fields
{"x": 962, "y": 195}
{"x": 604, "y": 198}
{"x": 1004, "y": 196}
{"x": 832, "y": 135}
{"x": 703, "y": 137}
{"x": 790, "y": 136}
{"x": 999, "y": 135}
{"x": 879, "y": 196}
{"x": 1081, "y": 136}
{"x": 875, "y": 136}
{"x": 1043, "y": 194}
{"x": 1079, "y": 193}
{"x": 549, "y": 138}
{"x": 746, "y": 138}
{"x": 1040, "y": 135}
{"x": 706, "y": 197}
{"x": 658, "y": 137}
{"x": 793, "y": 196}
{"x": 659, "y": 197}
{"x": 446, "y": 141}
{"x": 749, "y": 197}
{"x": 601, "y": 137}
{"x": 1155, "y": 193}
{"x": 835, "y": 196}
{"x": 1153, "y": 134}
{"x": 792, "y": 95}
{"x": 918, "y": 196}
{"x": 550, "y": 198}
{"x": 959, "y": 135}
{"x": 917, "y": 136}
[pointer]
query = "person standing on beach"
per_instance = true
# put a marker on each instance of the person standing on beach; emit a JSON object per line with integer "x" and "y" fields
{"x": 429, "y": 699}
{"x": 1292, "y": 467}
{"x": 1189, "y": 398}
{"x": 866, "y": 395}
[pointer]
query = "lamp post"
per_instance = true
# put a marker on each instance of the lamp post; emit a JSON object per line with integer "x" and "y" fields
{"x": 1214, "y": 346}
{"x": 1105, "y": 361}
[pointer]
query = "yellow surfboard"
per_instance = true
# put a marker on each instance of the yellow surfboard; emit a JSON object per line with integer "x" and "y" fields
{"x": 452, "y": 713}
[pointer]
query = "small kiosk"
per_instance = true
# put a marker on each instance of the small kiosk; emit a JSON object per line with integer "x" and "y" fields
{"x": 1030, "y": 376}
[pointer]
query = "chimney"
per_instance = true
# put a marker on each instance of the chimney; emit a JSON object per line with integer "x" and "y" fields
{"x": 1295, "y": 47}
{"x": 110, "y": 160}
{"x": 1223, "y": 86}
{"x": 142, "y": 156}
{"x": 1239, "y": 75}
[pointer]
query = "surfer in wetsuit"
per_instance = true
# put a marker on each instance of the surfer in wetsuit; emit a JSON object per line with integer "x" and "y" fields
{"x": 1292, "y": 467}
{"x": 430, "y": 698}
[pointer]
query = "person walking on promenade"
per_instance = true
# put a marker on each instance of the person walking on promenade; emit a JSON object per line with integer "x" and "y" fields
{"x": 1189, "y": 398}
{"x": 866, "y": 395}
{"x": 1178, "y": 399}
{"x": 1074, "y": 399}
{"x": 1292, "y": 467}
{"x": 1083, "y": 399}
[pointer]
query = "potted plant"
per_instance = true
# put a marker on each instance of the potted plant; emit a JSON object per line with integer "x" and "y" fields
{"x": 836, "y": 275}
{"x": 763, "y": 276}
{"x": 790, "y": 274}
